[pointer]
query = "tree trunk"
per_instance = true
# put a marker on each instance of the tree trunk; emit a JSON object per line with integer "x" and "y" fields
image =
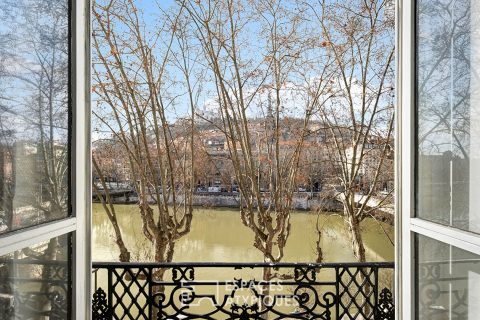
{"x": 124, "y": 253}
{"x": 164, "y": 250}
{"x": 358, "y": 246}
{"x": 319, "y": 250}
{"x": 267, "y": 276}
{"x": 359, "y": 252}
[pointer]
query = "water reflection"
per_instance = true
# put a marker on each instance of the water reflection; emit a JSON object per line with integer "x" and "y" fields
{"x": 34, "y": 112}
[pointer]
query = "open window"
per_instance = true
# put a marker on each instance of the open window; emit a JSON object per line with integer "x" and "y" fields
{"x": 44, "y": 159}
{"x": 439, "y": 163}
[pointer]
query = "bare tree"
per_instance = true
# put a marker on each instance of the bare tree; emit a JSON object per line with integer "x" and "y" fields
{"x": 359, "y": 116}
{"x": 255, "y": 51}
{"x": 131, "y": 83}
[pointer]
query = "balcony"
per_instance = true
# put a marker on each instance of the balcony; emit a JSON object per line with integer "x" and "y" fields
{"x": 290, "y": 291}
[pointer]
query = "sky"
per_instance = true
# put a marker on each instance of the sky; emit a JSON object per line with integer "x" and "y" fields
{"x": 292, "y": 101}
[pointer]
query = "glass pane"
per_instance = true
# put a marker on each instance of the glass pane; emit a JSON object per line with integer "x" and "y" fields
{"x": 448, "y": 158}
{"x": 34, "y": 112}
{"x": 35, "y": 281}
{"x": 448, "y": 282}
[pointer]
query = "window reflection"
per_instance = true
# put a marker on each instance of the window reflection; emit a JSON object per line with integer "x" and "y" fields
{"x": 448, "y": 282}
{"x": 34, "y": 112}
{"x": 447, "y": 41}
{"x": 35, "y": 282}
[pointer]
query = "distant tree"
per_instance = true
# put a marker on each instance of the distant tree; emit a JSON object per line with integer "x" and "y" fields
{"x": 112, "y": 160}
{"x": 108, "y": 206}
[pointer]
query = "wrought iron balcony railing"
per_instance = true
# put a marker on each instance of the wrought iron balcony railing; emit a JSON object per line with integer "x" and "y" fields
{"x": 243, "y": 291}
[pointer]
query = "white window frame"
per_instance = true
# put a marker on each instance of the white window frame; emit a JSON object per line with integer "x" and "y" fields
{"x": 81, "y": 183}
{"x": 407, "y": 226}
{"x": 79, "y": 223}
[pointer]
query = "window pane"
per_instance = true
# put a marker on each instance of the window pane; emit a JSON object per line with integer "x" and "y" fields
{"x": 34, "y": 112}
{"x": 448, "y": 47}
{"x": 448, "y": 282}
{"x": 35, "y": 281}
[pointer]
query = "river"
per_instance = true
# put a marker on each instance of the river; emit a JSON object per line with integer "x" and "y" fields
{"x": 218, "y": 235}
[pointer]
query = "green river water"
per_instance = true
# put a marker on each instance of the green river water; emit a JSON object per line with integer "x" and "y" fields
{"x": 218, "y": 235}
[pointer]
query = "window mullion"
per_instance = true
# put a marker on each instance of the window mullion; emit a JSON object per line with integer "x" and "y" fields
{"x": 464, "y": 240}
{"x": 22, "y": 238}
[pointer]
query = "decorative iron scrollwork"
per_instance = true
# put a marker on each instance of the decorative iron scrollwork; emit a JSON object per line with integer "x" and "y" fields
{"x": 183, "y": 274}
{"x": 245, "y": 311}
{"x": 100, "y": 309}
{"x": 385, "y": 306}
{"x": 304, "y": 274}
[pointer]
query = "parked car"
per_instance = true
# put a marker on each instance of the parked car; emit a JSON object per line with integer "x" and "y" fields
{"x": 202, "y": 189}
{"x": 214, "y": 189}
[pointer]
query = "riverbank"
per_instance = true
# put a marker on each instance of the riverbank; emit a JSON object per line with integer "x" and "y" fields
{"x": 302, "y": 201}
